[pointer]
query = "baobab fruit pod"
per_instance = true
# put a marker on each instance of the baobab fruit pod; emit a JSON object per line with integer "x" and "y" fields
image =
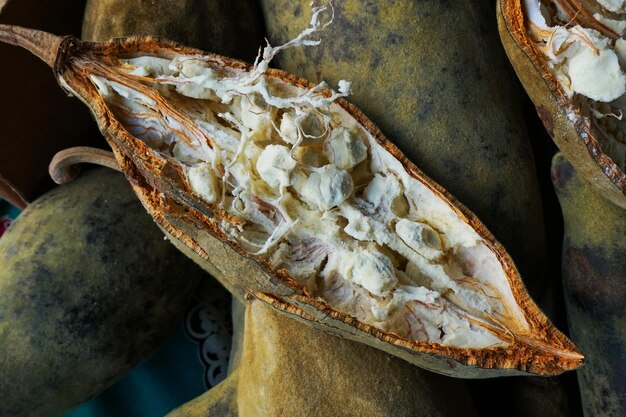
{"x": 594, "y": 265}
{"x": 295, "y": 197}
{"x": 569, "y": 57}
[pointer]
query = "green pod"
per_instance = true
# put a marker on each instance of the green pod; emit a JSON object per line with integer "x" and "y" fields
{"x": 88, "y": 289}
{"x": 288, "y": 368}
{"x": 434, "y": 78}
{"x": 594, "y": 265}
{"x": 232, "y": 27}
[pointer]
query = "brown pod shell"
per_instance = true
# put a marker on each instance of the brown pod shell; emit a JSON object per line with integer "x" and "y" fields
{"x": 533, "y": 344}
{"x": 594, "y": 280}
{"x": 573, "y": 133}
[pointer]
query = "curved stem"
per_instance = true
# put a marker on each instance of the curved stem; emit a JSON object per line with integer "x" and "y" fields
{"x": 42, "y": 44}
{"x": 11, "y": 194}
{"x": 64, "y": 165}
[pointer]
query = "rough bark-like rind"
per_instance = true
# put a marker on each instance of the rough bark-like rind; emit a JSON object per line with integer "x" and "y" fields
{"x": 594, "y": 280}
{"x": 159, "y": 183}
{"x": 571, "y": 132}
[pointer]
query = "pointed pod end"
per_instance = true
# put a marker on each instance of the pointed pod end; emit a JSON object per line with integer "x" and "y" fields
{"x": 44, "y": 45}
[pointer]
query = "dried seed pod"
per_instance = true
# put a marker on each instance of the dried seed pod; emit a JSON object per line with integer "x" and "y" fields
{"x": 594, "y": 261}
{"x": 290, "y": 369}
{"x": 568, "y": 55}
{"x": 203, "y": 24}
{"x": 189, "y": 129}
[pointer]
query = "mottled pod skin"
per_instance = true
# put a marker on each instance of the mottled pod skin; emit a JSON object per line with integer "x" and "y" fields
{"x": 594, "y": 274}
{"x": 232, "y": 27}
{"x": 434, "y": 78}
{"x": 88, "y": 289}
{"x": 290, "y": 369}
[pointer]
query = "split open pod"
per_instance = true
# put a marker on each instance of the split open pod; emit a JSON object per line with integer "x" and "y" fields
{"x": 570, "y": 57}
{"x": 288, "y": 193}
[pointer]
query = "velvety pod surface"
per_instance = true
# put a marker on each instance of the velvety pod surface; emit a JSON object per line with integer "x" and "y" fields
{"x": 88, "y": 289}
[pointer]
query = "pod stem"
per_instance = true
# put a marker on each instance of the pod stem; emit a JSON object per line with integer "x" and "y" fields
{"x": 12, "y": 194}
{"x": 42, "y": 44}
{"x": 64, "y": 168}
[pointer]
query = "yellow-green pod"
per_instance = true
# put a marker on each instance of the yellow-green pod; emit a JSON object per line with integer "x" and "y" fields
{"x": 594, "y": 268}
{"x": 233, "y": 28}
{"x": 288, "y": 368}
{"x": 88, "y": 289}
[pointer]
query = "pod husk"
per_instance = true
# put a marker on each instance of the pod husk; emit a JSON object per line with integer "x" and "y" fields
{"x": 88, "y": 290}
{"x": 290, "y": 369}
{"x": 594, "y": 279}
{"x": 571, "y": 131}
{"x": 160, "y": 186}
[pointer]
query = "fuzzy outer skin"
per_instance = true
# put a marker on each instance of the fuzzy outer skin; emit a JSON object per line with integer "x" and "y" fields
{"x": 228, "y": 27}
{"x": 571, "y": 132}
{"x": 88, "y": 289}
{"x": 288, "y": 368}
{"x": 594, "y": 265}
{"x": 219, "y": 401}
{"x": 433, "y": 77}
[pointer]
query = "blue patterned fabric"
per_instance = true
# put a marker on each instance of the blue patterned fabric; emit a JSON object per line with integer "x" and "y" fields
{"x": 192, "y": 360}
{"x": 8, "y": 213}
{"x": 173, "y": 376}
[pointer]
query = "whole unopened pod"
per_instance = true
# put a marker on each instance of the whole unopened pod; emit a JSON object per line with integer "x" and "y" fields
{"x": 594, "y": 274}
{"x": 88, "y": 289}
{"x": 229, "y": 27}
{"x": 290, "y": 369}
{"x": 436, "y": 81}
